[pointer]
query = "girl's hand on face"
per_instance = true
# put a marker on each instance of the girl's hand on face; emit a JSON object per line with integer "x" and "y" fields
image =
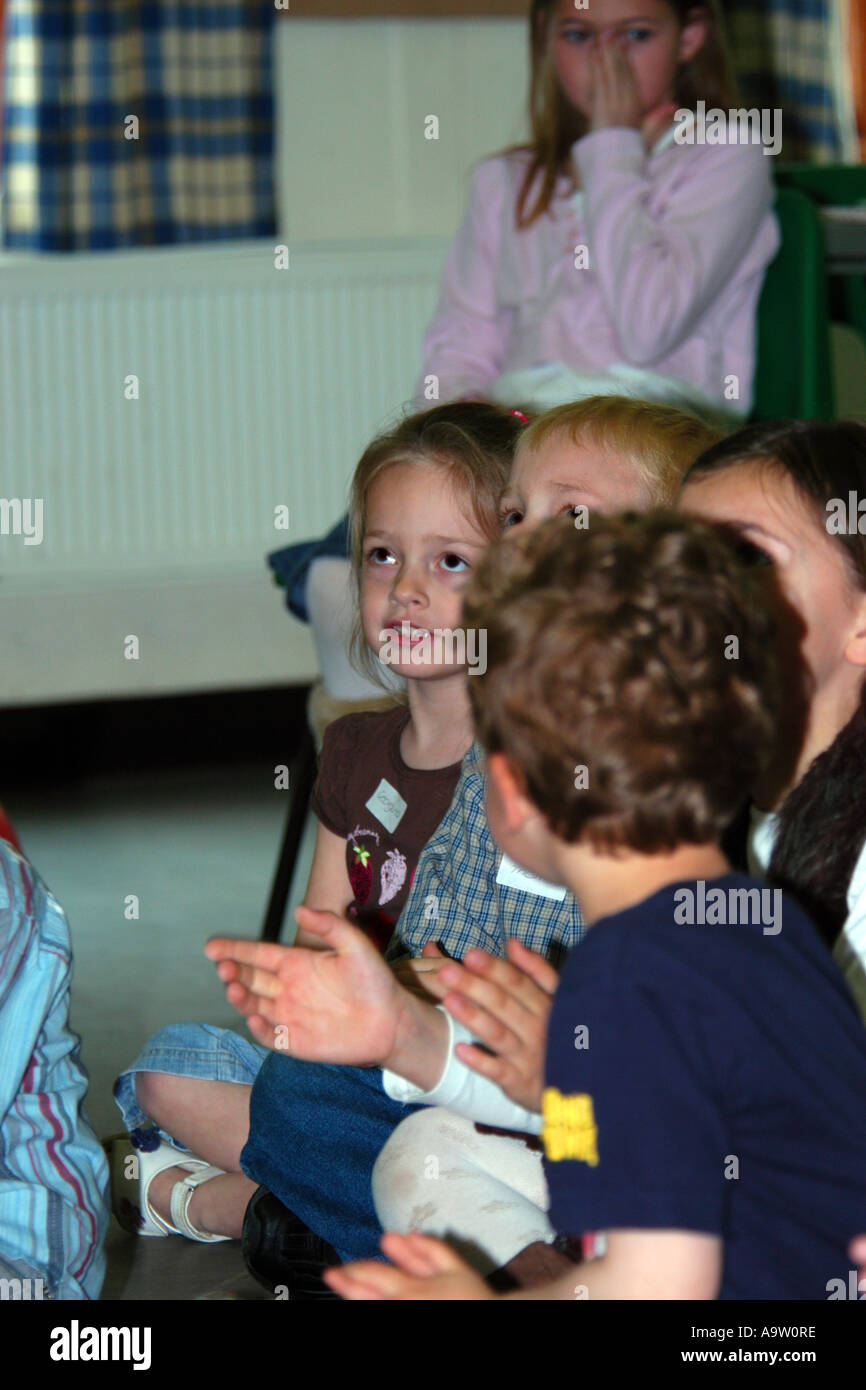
{"x": 613, "y": 98}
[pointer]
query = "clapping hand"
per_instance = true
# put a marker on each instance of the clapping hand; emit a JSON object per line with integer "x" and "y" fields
{"x": 340, "y": 1004}
{"x": 506, "y": 1004}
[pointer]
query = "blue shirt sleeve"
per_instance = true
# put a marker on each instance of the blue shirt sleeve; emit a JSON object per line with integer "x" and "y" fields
{"x": 53, "y": 1173}
{"x": 633, "y": 1134}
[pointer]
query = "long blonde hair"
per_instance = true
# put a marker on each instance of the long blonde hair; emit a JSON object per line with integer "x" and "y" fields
{"x": 555, "y": 124}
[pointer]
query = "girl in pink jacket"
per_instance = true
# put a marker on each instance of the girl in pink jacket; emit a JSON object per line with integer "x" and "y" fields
{"x": 623, "y": 250}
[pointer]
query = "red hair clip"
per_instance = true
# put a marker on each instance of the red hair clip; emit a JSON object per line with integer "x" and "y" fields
{"x": 520, "y": 415}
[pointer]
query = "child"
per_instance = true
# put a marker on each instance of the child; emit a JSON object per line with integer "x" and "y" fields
{"x": 778, "y": 483}
{"x": 596, "y": 455}
{"x": 424, "y": 505}
{"x": 786, "y": 485}
{"x": 53, "y": 1174}
{"x": 681, "y": 1113}
{"x": 617, "y": 251}
{"x": 613, "y": 452}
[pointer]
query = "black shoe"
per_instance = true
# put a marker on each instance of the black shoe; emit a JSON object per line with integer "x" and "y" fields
{"x": 283, "y": 1254}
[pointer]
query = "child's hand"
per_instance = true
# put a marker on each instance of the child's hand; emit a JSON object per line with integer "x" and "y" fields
{"x": 340, "y": 1004}
{"x": 414, "y": 972}
{"x": 422, "y": 1269}
{"x": 506, "y": 1004}
{"x": 656, "y": 121}
{"x": 612, "y": 95}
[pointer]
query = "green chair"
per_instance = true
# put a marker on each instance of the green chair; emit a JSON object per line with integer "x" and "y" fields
{"x": 793, "y": 364}
{"x": 835, "y": 185}
{"x": 841, "y": 186}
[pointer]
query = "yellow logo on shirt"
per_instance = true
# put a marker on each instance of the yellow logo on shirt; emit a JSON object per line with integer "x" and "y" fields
{"x": 569, "y": 1128}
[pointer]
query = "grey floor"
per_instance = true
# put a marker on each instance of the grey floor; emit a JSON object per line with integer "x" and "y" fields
{"x": 198, "y": 850}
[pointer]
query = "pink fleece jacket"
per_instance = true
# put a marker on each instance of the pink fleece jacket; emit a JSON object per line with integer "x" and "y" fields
{"x": 677, "y": 240}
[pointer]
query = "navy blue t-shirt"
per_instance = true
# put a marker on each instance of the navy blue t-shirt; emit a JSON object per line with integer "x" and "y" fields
{"x": 711, "y": 1077}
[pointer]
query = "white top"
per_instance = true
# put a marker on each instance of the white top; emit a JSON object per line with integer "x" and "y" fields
{"x": 465, "y": 1091}
{"x": 850, "y": 950}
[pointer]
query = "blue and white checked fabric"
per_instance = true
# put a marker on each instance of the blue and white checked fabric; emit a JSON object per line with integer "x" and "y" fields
{"x": 455, "y": 899}
{"x": 195, "y": 75}
{"x": 781, "y": 52}
{"x": 53, "y": 1173}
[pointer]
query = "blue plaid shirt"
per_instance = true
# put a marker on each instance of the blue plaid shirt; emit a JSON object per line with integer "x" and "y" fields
{"x": 53, "y": 1174}
{"x": 455, "y": 898}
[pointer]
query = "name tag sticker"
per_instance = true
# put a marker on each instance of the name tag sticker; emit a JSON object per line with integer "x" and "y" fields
{"x": 510, "y": 875}
{"x": 387, "y": 805}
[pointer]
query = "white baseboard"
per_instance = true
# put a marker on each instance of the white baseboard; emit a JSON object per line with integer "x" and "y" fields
{"x": 64, "y": 636}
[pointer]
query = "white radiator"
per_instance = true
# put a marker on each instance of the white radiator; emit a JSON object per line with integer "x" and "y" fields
{"x": 162, "y": 404}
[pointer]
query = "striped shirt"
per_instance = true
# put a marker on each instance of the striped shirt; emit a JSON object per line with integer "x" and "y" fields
{"x": 53, "y": 1173}
{"x": 460, "y": 896}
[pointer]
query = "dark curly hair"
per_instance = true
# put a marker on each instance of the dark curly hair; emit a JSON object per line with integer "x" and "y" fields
{"x": 822, "y": 822}
{"x": 639, "y": 649}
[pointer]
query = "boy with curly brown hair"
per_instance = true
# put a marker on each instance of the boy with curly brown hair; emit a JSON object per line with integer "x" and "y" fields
{"x": 699, "y": 1100}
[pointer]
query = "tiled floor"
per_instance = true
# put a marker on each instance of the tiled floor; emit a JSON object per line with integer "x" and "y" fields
{"x": 197, "y": 850}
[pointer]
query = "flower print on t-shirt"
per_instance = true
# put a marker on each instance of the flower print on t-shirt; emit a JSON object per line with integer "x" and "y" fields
{"x": 392, "y": 875}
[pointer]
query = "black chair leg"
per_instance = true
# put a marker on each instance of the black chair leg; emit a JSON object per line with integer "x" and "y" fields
{"x": 302, "y": 780}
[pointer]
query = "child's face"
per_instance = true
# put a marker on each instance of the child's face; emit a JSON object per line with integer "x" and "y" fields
{"x": 561, "y": 475}
{"x": 418, "y": 551}
{"x": 557, "y": 477}
{"x": 648, "y": 33}
{"x": 804, "y": 564}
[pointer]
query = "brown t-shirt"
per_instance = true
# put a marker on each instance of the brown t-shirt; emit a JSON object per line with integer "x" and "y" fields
{"x": 385, "y": 811}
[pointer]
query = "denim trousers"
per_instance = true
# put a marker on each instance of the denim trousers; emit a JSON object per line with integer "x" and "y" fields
{"x": 315, "y": 1130}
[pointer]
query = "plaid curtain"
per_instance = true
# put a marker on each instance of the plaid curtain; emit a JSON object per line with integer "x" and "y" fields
{"x": 785, "y": 55}
{"x": 136, "y": 122}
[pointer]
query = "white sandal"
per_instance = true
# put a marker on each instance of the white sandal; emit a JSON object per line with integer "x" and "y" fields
{"x": 135, "y": 1214}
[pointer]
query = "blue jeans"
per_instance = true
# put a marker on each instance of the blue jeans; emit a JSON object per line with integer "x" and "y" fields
{"x": 315, "y": 1134}
{"x": 315, "y": 1130}
{"x": 198, "y": 1050}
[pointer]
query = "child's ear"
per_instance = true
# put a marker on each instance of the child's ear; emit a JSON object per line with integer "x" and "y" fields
{"x": 693, "y": 33}
{"x": 855, "y": 648}
{"x": 510, "y": 789}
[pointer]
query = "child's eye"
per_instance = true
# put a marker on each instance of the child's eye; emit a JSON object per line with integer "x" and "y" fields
{"x": 379, "y": 555}
{"x": 752, "y": 556}
{"x": 638, "y": 35}
{"x": 572, "y": 509}
{"x": 451, "y": 562}
{"x": 575, "y": 36}
{"x": 512, "y": 517}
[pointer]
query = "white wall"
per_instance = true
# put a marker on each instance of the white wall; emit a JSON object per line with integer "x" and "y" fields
{"x": 352, "y": 97}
